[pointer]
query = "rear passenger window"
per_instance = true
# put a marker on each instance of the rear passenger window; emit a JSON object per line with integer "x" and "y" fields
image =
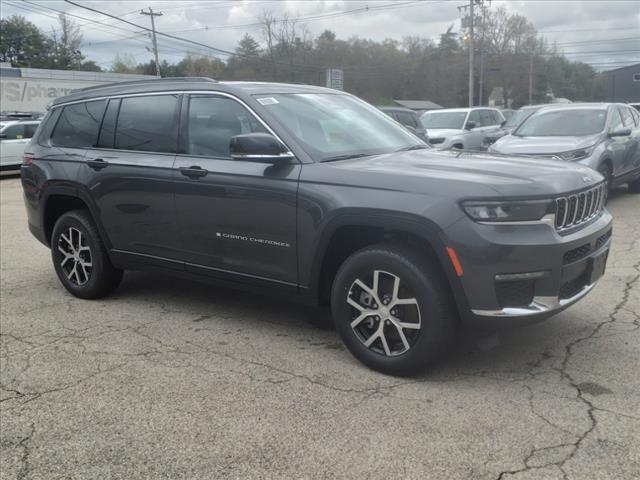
{"x": 30, "y": 130}
{"x": 78, "y": 125}
{"x": 406, "y": 118}
{"x": 148, "y": 123}
{"x": 213, "y": 121}
{"x": 627, "y": 118}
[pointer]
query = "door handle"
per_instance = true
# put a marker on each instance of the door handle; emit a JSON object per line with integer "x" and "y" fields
{"x": 97, "y": 163}
{"x": 193, "y": 172}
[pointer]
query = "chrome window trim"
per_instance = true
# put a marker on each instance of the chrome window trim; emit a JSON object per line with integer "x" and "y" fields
{"x": 183, "y": 92}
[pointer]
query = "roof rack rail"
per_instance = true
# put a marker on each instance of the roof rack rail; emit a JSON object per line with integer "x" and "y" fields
{"x": 150, "y": 80}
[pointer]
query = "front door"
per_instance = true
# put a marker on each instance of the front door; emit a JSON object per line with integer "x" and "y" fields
{"x": 236, "y": 218}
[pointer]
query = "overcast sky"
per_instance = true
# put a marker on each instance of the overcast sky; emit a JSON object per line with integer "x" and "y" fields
{"x": 603, "y": 33}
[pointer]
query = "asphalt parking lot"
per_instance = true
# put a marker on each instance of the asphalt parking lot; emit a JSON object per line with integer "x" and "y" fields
{"x": 170, "y": 379}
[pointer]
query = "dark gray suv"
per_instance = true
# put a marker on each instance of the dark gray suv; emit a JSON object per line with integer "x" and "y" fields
{"x": 312, "y": 194}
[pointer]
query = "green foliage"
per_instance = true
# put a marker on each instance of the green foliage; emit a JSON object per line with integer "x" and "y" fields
{"x": 22, "y": 44}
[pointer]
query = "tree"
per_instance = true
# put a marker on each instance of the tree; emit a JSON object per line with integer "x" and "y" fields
{"x": 66, "y": 45}
{"x": 22, "y": 44}
{"x": 124, "y": 64}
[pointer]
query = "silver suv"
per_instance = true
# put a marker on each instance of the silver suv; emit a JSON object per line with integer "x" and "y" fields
{"x": 461, "y": 128}
{"x": 603, "y": 136}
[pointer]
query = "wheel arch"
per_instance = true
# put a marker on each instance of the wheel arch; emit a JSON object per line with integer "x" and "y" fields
{"x": 360, "y": 230}
{"x": 59, "y": 198}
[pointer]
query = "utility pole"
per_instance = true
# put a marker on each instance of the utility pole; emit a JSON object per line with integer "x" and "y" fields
{"x": 153, "y": 14}
{"x": 468, "y": 22}
{"x": 471, "y": 49}
{"x": 482, "y": 49}
{"x": 531, "y": 79}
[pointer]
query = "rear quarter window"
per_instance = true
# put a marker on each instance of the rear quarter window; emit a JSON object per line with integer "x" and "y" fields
{"x": 78, "y": 125}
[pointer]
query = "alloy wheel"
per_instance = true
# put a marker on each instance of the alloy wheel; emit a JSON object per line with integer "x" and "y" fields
{"x": 76, "y": 262}
{"x": 385, "y": 313}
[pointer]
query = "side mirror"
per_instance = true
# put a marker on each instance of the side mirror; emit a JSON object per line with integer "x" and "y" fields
{"x": 502, "y": 124}
{"x": 621, "y": 132}
{"x": 471, "y": 125}
{"x": 258, "y": 147}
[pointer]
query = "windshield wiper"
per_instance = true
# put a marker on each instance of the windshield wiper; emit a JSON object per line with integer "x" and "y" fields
{"x": 346, "y": 157}
{"x": 413, "y": 147}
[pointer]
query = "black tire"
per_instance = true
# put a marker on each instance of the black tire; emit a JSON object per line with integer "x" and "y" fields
{"x": 634, "y": 187}
{"x": 95, "y": 276}
{"x": 605, "y": 171}
{"x": 425, "y": 280}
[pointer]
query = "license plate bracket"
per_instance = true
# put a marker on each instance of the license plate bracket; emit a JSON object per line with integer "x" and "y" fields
{"x": 597, "y": 266}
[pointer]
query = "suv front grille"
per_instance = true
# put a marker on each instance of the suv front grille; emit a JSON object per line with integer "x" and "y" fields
{"x": 578, "y": 208}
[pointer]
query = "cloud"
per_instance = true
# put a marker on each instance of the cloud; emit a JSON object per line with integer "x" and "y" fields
{"x": 582, "y": 29}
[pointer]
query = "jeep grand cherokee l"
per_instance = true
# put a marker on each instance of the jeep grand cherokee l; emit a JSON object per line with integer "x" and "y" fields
{"x": 316, "y": 195}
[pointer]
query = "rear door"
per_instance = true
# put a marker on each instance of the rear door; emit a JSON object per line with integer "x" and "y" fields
{"x": 237, "y": 219}
{"x": 128, "y": 173}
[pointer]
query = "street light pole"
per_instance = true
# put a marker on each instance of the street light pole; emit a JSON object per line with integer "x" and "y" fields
{"x": 153, "y": 14}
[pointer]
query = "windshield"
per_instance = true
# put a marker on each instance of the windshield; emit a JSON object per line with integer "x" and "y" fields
{"x": 564, "y": 123}
{"x": 335, "y": 126}
{"x": 443, "y": 119}
{"x": 518, "y": 117}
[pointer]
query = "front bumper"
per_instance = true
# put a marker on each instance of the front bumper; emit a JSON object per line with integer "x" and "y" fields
{"x": 520, "y": 273}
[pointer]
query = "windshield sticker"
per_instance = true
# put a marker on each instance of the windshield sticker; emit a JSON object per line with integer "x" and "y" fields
{"x": 267, "y": 101}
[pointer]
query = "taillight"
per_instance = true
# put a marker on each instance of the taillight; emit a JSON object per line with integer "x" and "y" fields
{"x": 27, "y": 159}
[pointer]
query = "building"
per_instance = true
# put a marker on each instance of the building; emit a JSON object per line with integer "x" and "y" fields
{"x": 32, "y": 89}
{"x": 418, "y": 105}
{"x": 623, "y": 84}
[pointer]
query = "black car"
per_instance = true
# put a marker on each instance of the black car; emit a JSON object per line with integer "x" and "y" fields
{"x": 315, "y": 195}
{"x": 407, "y": 118}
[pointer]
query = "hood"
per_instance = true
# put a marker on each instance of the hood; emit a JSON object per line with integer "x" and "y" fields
{"x": 464, "y": 174}
{"x": 444, "y": 132}
{"x": 512, "y": 144}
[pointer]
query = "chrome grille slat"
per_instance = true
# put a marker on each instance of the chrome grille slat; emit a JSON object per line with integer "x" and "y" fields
{"x": 577, "y": 208}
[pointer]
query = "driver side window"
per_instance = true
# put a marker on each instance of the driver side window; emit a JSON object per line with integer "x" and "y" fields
{"x": 475, "y": 118}
{"x": 616, "y": 120}
{"x": 14, "y": 132}
{"x": 211, "y": 123}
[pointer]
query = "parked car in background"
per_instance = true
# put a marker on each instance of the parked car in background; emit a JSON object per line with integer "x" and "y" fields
{"x": 313, "y": 194}
{"x": 510, "y": 124}
{"x": 14, "y": 137}
{"x": 461, "y": 128}
{"x": 603, "y": 136}
{"x": 408, "y": 119}
{"x": 507, "y": 113}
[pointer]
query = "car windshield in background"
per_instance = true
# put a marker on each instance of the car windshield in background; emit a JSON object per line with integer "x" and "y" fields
{"x": 336, "y": 126}
{"x": 443, "y": 119}
{"x": 564, "y": 123}
{"x": 518, "y": 117}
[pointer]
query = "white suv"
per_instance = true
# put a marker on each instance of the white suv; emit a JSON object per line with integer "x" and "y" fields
{"x": 14, "y": 137}
{"x": 461, "y": 128}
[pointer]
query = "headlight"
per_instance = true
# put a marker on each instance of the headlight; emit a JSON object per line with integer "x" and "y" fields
{"x": 509, "y": 211}
{"x": 575, "y": 155}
